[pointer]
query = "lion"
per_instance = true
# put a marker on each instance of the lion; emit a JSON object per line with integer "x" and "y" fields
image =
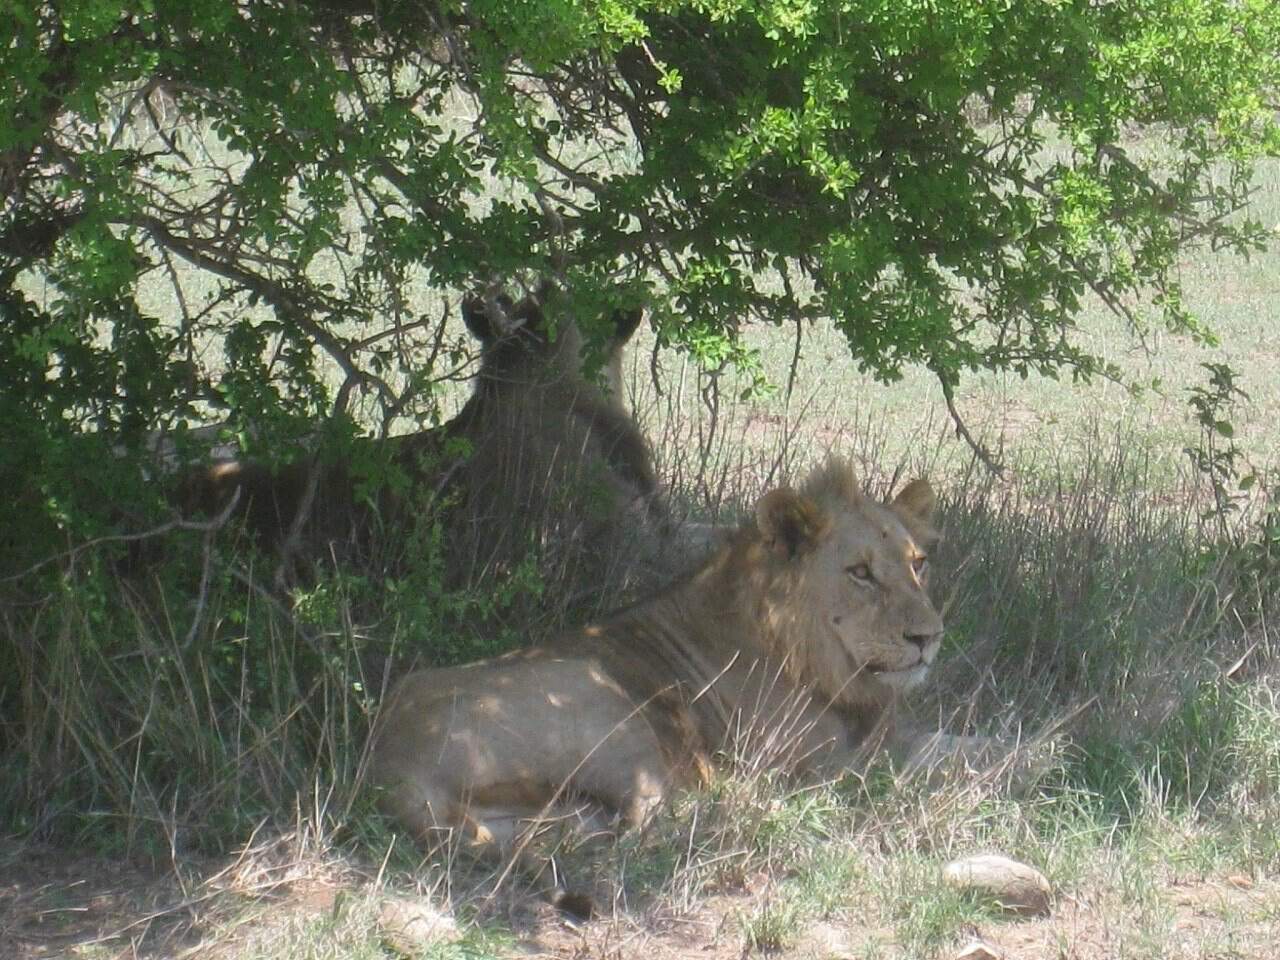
{"x": 793, "y": 643}
{"x": 554, "y": 453}
{"x": 540, "y": 450}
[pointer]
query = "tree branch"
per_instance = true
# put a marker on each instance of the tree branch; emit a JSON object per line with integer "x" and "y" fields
{"x": 962, "y": 431}
{"x": 270, "y": 291}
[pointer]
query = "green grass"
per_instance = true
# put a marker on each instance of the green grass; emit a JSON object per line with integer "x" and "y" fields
{"x": 1074, "y": 597}
{"x": 161, "y": 742}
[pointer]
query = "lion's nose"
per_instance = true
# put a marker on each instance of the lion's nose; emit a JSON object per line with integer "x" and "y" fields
{"x": 921, "y": 640}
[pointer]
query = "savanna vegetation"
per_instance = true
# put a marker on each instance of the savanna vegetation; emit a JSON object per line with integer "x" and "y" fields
{"x": 1018, "y": 246}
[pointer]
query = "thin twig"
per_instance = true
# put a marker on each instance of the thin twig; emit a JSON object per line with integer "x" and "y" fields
{"x": 206, "y": 565}
{"x": 279, "y": 606}
{"x": 205, "y": 526}
{"x": 979, "y": 450}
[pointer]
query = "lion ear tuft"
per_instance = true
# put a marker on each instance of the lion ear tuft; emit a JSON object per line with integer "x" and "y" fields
{"x": 476, "y": 317}
{"x": 789, "y": 521}
{"x": 917, "y": 500}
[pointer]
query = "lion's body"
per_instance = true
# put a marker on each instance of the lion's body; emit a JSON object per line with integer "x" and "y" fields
{"x": 555, "y": 457}
{"x": 774, "y": 650}
{"x": 540, "y": 452}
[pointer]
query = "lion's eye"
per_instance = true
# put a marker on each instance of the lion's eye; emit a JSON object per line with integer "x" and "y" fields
{"x": 860, "y": 572}
{"x": 918, "y": 564}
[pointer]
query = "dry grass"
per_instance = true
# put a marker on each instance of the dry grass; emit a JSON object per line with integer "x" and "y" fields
{"x": 1157, "y": 824}
{"x": 1070, "y": 592}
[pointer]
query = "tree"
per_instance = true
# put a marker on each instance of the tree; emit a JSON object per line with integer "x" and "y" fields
{"x": 211, "y": 207}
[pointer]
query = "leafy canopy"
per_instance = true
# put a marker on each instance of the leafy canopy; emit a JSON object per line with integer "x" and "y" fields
{"x": 219, "y": 210}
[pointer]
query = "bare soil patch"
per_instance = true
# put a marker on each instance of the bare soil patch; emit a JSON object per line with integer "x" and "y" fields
{"x": 59, "y": 903}
{"x": 55, "y": 902}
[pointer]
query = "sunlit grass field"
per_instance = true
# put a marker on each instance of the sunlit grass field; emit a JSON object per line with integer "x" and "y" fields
{"x": 1034, "y": 426}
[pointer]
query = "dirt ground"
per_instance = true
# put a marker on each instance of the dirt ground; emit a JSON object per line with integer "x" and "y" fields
{"x": 56, "y": 903}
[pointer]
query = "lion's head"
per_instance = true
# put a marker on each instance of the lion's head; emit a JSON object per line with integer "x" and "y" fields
{"x": 523, "y": 347}
{"x": 845, "y": 586}
{"x": 555, "y": 457}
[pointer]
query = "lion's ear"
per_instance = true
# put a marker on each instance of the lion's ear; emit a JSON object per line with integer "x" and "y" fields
{"x": 476, "y": 317}
{"x": 488, "y": 321}
{"x": 917, "y": 500}
{"x": 625, "y": 323}
{"x": 789, "y": 521}
{"x": 530, "y": 317}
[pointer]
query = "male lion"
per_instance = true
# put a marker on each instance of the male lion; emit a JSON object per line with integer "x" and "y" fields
{"x": 792, "y": 642}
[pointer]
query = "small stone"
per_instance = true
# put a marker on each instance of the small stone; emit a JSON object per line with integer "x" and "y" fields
{"x": 978, "y": 950}
{"x": 410, "y": 926}
{"x": 1013, "y": 886}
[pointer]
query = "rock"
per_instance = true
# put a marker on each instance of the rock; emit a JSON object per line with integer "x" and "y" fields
{"x": 978, "y": 950}
{"x": 410, "y": 926}
{"x": 1013, "y": 886}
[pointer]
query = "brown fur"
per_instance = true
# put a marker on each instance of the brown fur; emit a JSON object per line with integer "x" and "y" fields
{"x": 553, "y": 453}
{"x": 788, "y": 647}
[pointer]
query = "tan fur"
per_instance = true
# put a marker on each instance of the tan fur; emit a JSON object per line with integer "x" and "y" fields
{"x": 787, "y": 649}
